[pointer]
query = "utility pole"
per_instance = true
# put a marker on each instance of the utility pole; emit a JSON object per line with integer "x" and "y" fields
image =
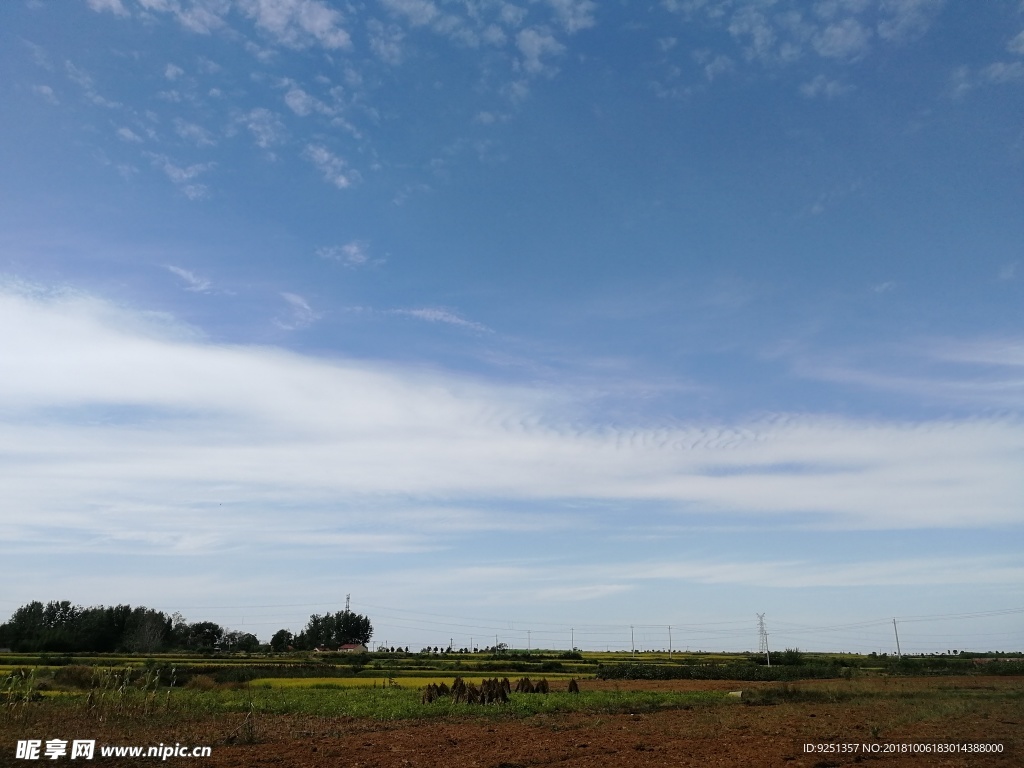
{"x": 527, "y": 641}
{"x": 632, "y": 642}
{"x": 896, "y": 632}
{"x": 572, "y": 638}
{"x": 670, "y": 641}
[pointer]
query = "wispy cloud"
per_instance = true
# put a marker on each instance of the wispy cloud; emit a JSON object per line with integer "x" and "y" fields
{"x": 1016, "y": 45}
{"x": 85, "y": 81}
{"x": 301, "y": 314}
{"x": 803, "y": 573}
{"x": 439, "y": 315}
{"x": 978, "y": 373}
{"x": 47, "y": 93}
{"x": 192, "y": 281}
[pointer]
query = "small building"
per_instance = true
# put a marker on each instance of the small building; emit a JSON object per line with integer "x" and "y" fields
{"x": 353, "y": 648}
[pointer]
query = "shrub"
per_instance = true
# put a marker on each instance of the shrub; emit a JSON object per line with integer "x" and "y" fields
{"x": 201, "y": 683}
{"x": 76, "y": 676}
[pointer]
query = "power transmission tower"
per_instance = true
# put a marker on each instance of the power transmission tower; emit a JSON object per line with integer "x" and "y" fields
{"x": 763, "y": 634}
{"x": 348, "y": 600}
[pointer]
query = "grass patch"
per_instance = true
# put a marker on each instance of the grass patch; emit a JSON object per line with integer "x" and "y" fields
{"x": 395, "y": 703}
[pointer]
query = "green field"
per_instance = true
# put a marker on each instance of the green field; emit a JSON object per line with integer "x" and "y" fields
{"x": 389, "y": 685}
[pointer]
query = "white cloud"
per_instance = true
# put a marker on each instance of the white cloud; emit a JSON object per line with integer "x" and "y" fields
{"x": 353, "y": 254}
{"x": 1016, "y": 45}
{"x": 127, "y": 134}
{"x": 293, "y": 23}
{"x": 822, "y": 86}
{"x": 1004, "y": 72}
{"x": 192, "y": 281}
{"x": 574, "y": 15}
{"x": 173, "y": 72}
{"x": 846, "y": 39}
{"x": 119, "y": 423}
{"x": 265, "y": 126}
{"x": 719, "y": 65}
{"x": 299, "y": 102}
{"x": 193, "y": 133}
{"x": 1009, "y": 271}
{"x": 534, "y": 44}
{"x": 964, "y": 79}
{"x": 184, "y": 177}
{"x": 751, "y": 25}
{"x": 303, "y": 104}
{"x": 386, "y": 42}
{"x": 907, "y": 19}
{"x": 298, "y": 23}
{"x": 334, "y": 168}
{"x": 114, "y": 6}
{"x": 203, "y": 16}
{"x": 417, "y": 12}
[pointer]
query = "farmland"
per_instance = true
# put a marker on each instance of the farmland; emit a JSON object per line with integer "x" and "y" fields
{"x": 304, "y": 709}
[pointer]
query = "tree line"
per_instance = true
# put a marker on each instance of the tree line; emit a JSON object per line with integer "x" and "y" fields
{"x": 62, "y": 627}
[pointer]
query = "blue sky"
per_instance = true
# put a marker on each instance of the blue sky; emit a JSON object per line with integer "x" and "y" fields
{"x": 551, "y": 315}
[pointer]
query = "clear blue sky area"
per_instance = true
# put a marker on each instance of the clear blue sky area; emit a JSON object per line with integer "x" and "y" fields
{"x": 546, "y": 315}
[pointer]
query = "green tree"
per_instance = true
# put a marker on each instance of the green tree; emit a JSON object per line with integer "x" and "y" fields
{"x": 281, "y": 640}
{"x": 241, "y": 641}
{"x": 204, "y": 635}
{"x": 334, "y": 630}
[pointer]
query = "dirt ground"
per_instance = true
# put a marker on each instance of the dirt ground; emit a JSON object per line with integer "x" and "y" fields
{"x": 967, "y": 710}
